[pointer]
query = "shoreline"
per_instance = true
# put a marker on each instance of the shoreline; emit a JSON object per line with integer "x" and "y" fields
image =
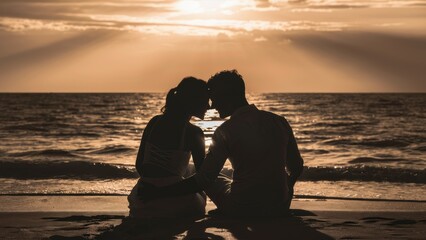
{"x": 118, "y": 203}
{"x": 297, "y": 196}
{"x": 101, "y": 217}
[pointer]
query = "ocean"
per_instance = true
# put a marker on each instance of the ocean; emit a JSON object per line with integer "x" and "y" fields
{"x": 367, "y": 146}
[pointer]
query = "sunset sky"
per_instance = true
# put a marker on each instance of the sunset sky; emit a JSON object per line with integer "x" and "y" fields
{"x": 148, "y": 46}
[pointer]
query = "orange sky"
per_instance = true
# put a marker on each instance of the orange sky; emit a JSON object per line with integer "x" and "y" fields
{"x": 278, "y": 46}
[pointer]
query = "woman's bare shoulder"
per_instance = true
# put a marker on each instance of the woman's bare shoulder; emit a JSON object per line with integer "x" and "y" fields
{"x": 153, "y": 120}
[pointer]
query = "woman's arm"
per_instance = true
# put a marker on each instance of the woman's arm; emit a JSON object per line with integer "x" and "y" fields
{"x": 141, "y": 151}
{"x": 198, "y": 149}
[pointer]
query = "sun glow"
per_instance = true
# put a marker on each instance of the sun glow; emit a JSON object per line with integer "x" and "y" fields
{"x": 189, "y": 6}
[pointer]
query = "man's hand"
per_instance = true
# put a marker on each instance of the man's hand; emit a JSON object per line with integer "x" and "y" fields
{"x": 147, "y": 191}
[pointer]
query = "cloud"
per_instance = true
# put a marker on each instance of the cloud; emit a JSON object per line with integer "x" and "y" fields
{"x": 260, "y": 39}
{"x": 315, "y": 5}
{"x": 17, "y": 24}
{"x": 76, "y": 10}
{"x": 158, "y": 26}
{"x": 149, "y": 17}
{"x": 263, "y": 3}
{"x": 163, "y": 17}
{"x": 296, "y": 10}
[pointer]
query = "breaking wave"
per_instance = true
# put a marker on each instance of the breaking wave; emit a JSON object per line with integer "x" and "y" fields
{"x": 94, "y": 170}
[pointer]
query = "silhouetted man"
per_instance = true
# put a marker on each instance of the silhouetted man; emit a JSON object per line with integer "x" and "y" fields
{"x": 261, "y": 148}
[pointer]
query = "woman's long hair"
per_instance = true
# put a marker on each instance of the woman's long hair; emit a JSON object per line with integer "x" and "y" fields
{"x": 185, "y": 98}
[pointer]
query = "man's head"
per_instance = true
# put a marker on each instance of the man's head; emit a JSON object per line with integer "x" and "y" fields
{"x": 227, "y": 92}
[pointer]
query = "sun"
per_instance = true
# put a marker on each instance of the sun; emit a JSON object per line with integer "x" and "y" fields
{"x": 198, "y": 6}
{"x": 189, "y": 6}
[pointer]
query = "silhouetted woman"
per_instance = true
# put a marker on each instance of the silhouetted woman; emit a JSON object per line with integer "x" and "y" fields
{"x": 167, "y": 144}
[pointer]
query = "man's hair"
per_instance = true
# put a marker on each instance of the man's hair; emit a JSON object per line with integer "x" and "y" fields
{"x": 229, "y": 82}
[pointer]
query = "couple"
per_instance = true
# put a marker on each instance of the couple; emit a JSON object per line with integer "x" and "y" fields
{"x": 260, "y": 146}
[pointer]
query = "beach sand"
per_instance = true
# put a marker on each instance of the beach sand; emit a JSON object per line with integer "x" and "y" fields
{"x": 103, "y": 217}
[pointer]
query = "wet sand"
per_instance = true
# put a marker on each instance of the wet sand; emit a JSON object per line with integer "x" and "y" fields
{"x": 104, "y": 217}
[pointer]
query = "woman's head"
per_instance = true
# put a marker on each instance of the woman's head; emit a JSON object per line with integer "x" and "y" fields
{"x": 190, "y": 97}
